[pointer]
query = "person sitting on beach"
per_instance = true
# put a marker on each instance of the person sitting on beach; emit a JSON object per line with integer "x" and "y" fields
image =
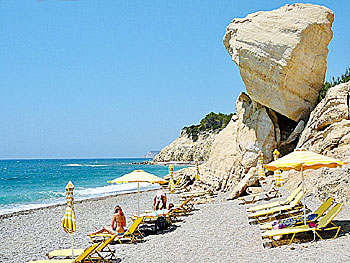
{"x": 118, "y": 223}
{"x": 159, "y": 200}
{"x": 157, "y": 213}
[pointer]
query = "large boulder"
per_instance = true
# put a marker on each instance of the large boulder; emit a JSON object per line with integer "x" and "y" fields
{"x": 282, "y": 55}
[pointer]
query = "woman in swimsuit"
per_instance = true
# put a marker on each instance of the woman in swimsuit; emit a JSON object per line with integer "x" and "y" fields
{"x": 118, "y": 223}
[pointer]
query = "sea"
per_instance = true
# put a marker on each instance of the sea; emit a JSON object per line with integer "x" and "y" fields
{"x": 29, "y": 184}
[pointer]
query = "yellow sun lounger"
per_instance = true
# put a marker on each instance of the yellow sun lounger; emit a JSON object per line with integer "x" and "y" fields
{"x": 252, "y": 198}
{"x": 132, "y": 233}
{"x": 178, "y": 210}
{"x": 104, "y": 252}
{"x": 321, "y": 227}
{"x": 276, "y": 203}
{"x": 185, "y": 207}
{"x": 300, "y": 219}
{"x": 84, "y": 257}
{"x": 269, "y": 214}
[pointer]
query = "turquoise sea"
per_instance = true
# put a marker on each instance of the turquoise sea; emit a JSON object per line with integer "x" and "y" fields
{"x": 27, "y": 184}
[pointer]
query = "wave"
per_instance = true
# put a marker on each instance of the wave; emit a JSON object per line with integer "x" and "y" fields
{"x": 112, "y": 189}
{"x": 95, "y": 165}
{"x": 86, "y": 165}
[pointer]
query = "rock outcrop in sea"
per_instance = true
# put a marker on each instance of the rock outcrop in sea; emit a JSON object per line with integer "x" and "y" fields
{"x": 282, "y": 56}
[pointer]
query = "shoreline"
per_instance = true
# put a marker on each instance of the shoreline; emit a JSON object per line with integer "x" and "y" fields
{"x": 214, "y": 232}
{"x": 49, "y": 206}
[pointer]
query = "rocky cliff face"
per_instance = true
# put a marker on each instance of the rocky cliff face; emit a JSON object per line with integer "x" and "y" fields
{"x": 186, "y": 149}
{"x": 328, "y": 132}
{"x": 282, "y": 59}
{"x": 282, "y": 55}
{"x": 234, "y": 151}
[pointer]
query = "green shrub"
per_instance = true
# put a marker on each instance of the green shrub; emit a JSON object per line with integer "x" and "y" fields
{"x": 334, "y": 82}
{"x": 211, "y": 122}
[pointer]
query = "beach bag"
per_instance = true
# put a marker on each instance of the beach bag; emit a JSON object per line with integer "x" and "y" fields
{"x": 161, "y": 224}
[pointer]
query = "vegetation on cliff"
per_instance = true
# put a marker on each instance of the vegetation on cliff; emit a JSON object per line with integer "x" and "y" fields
{"x": 334, "y": 82}
{"x": 212, "y": 122}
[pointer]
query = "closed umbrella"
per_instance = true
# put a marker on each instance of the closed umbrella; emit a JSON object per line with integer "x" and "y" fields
{"x": 138, "y": 176}
{"x": 301, "y": 160}
{"x": 68, "y": 221}
{"x": 171, "y": 180}
{"x": 197, "y": 175}
{"x": 261, "y": 172}
{"x": 279, "y": 182}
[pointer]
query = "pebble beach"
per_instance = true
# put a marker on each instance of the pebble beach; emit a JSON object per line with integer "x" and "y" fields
{"x": 215, "y": 232}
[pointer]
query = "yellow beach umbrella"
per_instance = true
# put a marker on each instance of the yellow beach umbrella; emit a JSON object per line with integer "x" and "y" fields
{"x": 68, "y": 221}
{"x": 138, "y": 176}
{"x": 197, "y": 175}
{"x": 301, "y": 160}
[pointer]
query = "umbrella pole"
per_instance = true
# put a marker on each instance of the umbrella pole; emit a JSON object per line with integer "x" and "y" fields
{"x": 72, "y": 247}
{"x": 138, "y": 199}
{"x": 302, "y": 176}
{"x": 279, "y": 196}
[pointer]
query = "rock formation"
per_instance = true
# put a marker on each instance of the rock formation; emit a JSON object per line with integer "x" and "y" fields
{"x": 282, "y": 59}
{"x": 282, "y": 55}
{"x": 234, "y": 151}
{"x": 328, "y": 129}
{"x": 185, "y": 149}
{"x": 328, "y": 132}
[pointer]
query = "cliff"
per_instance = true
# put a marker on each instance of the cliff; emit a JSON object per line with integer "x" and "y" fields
{"x": 282, "y": 56}
{"x": 195, "y": 141}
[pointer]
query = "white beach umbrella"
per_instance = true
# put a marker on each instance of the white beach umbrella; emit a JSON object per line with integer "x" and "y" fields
{"x": 138, "y": 176}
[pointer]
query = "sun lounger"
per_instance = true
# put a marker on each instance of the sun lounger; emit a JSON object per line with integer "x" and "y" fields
{"x": 297, "y": 220}
{"x": 131, "y": 234}
{"x": 84, "y": 257}
{"x": 276, "y": 203}
{"x": 178, "y": 210}
{"x": 104, "y": 252}
{"x": 269, "y": 214}
{"x": 151, "y": 216}
{"x": 321, "y": 227}
{"x": 252, "y": 198}
{"x": 185, "y": 207}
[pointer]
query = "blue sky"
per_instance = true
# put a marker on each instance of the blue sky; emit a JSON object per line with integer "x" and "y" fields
{"x": 121, "y": 78}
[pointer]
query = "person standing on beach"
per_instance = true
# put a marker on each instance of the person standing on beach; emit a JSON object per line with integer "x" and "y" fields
{"x": 118, "y": 223}
{"x": 159, "y": 200}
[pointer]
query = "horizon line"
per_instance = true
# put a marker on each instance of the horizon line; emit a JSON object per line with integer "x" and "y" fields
{"x": 71, "y": 158}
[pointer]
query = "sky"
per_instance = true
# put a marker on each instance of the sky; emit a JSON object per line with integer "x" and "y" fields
{"x": 104, "y": 79}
